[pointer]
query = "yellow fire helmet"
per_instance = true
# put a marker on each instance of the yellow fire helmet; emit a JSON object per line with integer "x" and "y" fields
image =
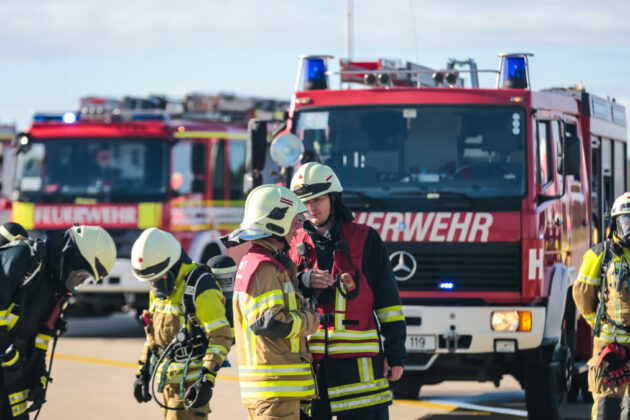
{"x": 269, "y": 210}
{"x": 97, "y": 247}
{"x": 313, "y": 180}
{"x": 153, "y": 254}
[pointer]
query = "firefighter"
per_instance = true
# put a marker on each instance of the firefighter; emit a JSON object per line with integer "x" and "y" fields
{"x": 345, "y": 270}
{"x": 601, "y": 295}
{"x": 271, "y": 320}
{"x": 37, "y": 278}
{"x": 188, "y": 336}
{"x": 11, "y": 231}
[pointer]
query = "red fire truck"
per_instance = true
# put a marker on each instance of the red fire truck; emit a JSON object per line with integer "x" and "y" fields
{"x": 135, "y": 163}
{"x": 486, "y": 199}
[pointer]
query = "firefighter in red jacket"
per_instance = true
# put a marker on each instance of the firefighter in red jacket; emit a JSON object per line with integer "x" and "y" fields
{"x": 345, "y": 270}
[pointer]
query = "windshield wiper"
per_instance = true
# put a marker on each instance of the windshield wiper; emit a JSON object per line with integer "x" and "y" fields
{"x": 437, "y": 194}
{"x": 370, "y": 201}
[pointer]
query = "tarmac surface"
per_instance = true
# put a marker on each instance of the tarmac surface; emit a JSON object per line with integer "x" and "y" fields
{"x": 95, "y": 363}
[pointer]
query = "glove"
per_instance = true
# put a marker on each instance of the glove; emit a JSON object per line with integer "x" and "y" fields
{"x": 11, "y": 367}
{"x": 36, "y": 394}
{"x": 141, "y": 387}
{"x": 612, "y": 360}
{"x": 199, "y": 393}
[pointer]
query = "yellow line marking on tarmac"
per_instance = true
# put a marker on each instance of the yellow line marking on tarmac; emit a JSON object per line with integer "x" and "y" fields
{"x": 447, "y": 407}
{"x": 107, "y": 362}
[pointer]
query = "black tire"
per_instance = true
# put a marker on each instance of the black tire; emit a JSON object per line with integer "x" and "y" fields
{"x": 545, "y": 394}
{"x": 407, "y": 387}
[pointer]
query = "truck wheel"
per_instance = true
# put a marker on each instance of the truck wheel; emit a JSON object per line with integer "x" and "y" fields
{"x": 407, "y": 387}
{"x": 545, "y": 395}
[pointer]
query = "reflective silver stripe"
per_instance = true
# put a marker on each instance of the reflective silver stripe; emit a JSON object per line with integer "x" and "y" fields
{"x": 288, "y": 287}
{"x": 41, "y": 341}
{"x": 387, "y": 316}
{"x": 364, "y": 371}
{"x": 360, "y": 402}
{"x": 275, "y": 298}
{"x": 588, "y": 280}
{"x": 169, "y": 308}
{"x": 274, "y": 371}
{"x": 16, "y": 410}
{"x": 277, "y": 388}
{"x": 18, "y": 396}
{"x": 217, "y": 349}
{"x": 357, "y": 388}
{"x": 239, "y": 296}
{"x": 340, "y": 309}
{"x": 211, "y": 326}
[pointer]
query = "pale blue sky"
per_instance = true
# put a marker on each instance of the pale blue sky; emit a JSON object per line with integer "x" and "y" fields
{"x": 53, "y": 52}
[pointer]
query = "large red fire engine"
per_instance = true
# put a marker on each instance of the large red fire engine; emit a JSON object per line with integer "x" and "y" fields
{"x": 486, "y": 199}
{"x": 133, "y": 164}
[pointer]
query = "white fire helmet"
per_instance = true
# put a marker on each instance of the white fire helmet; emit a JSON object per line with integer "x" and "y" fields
{"x": 620, "y": 214}
{"x": 97, "y": 247}
{"x": 269, "y": 210}
{"x": 313, "y": 180}
{"x": 153, "y": 254}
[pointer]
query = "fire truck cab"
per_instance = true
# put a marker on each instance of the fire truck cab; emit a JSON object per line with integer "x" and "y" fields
{"x": 486, "y": 199}
{"x": 131, "y": 164}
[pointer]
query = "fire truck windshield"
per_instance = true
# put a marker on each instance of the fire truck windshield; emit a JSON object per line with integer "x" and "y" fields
{"x": 112, "y": 170}
{"x": 410, "y": 151}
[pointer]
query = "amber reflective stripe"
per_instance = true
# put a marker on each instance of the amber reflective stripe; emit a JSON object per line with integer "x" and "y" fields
{"x": 41, "y": 341}
{"x": 390, "y": 314}
{"x": 296, "y": 326}
{"x": 12, "y": 319}
{"x": 359, "y": 402}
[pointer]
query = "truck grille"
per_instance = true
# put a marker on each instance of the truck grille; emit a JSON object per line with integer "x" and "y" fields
{"x": 494, "y": 266}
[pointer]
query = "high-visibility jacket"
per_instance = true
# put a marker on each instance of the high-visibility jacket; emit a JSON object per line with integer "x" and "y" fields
{"x": 168, "y": 317}
{"x": 271, "y": 323}
{"x": 615, "y": 321}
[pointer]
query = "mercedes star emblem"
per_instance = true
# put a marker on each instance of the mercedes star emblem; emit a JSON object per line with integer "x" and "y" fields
{"x": 404, "y": 265}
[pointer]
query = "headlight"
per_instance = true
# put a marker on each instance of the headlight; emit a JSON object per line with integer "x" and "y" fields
{"x": 511, "y": 321}
{"x": 504, "y": 321}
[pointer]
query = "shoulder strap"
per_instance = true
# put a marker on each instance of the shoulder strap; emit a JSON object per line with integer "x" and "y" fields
{"x": 198, "y": 280}
{"x": 602, "y": 288}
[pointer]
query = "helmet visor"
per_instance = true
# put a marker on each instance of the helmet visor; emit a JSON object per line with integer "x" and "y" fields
{"x": 77, "y": 279}
{"x": 306, "y": 190}
{"x": 623, "y": 226}
{"x": 163, "y": 286}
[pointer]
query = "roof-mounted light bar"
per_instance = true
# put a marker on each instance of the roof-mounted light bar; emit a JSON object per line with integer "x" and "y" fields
{"x": 513, "y": 71}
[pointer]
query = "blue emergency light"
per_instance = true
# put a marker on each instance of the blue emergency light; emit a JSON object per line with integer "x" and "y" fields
{"x": 66, "y": 117}
{"x": 446, "y": 285}
{"x": 514, "y": 71}
{"x": 315, "y": 73}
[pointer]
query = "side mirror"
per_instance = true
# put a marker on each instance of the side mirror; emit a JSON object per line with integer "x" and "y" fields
{"x": 198, "y": 159}
{"x": 21, "y": 142}
{"x": 286, "y": 149}
{"x": 571, "y": 159}
{"x": 256, "y": 145}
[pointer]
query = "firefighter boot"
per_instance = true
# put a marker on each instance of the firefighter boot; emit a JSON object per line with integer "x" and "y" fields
{"x": 608, "y": 408}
